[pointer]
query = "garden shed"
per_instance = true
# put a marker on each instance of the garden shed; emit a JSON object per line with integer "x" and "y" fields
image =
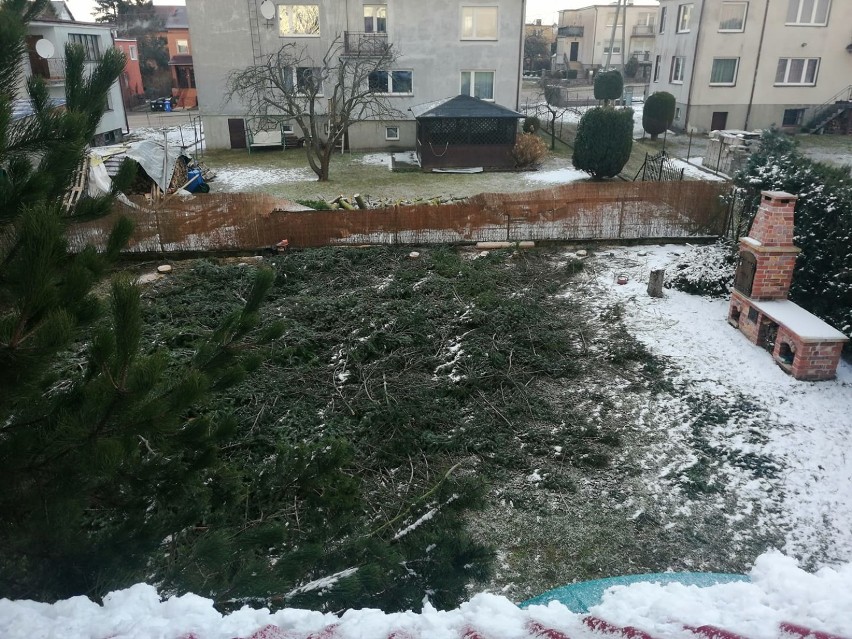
{"x": 465, "y": 132}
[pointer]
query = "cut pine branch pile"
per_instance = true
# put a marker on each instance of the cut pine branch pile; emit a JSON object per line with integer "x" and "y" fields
{"x": 359, "y": 201}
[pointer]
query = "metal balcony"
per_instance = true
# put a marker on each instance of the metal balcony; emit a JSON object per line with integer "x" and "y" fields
{"x": 365, "y": 44}
{"x": 571, "y": 31}
{"x": 51, "y": 70}
{"x": 644, "y": 31}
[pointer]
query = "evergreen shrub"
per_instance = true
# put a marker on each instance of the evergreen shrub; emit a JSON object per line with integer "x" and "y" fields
{"x": 609, "y": 85}
{"x": 604, "y": 140}
{"x": 658, "y": 113}
{"x": 531, "y": 124}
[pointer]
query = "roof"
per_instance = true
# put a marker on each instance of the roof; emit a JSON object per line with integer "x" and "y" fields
{"x": 172, "y": 16}
{"x": 463, "y": 106}
{"x": 182, "y": 59}
{"x": 62, "y": 11}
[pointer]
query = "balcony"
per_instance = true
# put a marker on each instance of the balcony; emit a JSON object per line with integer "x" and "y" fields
{"x": 51, "y": 70}
{"x": 644, "y": 31}
{"x": 571, "y": 31}
{"x": 365, "y": 44}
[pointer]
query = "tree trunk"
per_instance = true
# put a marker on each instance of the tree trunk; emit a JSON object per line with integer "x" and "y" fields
{"x": 654, "y": 137}
{"x": 655, "y": 283}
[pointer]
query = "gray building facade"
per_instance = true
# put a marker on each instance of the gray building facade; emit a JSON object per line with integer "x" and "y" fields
{"x": 444, "y": 49}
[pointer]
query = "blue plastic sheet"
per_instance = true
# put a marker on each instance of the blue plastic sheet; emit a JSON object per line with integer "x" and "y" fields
{"x": 582, "y": 596}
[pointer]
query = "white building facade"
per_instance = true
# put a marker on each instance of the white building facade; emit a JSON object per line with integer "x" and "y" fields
{"x": 443, "y": 49}
{"x": 749, "y": 64}
{"x": 47, "y": 61}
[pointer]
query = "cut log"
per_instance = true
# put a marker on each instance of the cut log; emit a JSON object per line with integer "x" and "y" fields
{"x": 359, "y": 200}
{"x": 655, "y": 283}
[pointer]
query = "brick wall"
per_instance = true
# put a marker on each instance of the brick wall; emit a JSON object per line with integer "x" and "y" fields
{"x": 773, "y": 224}
{"x": 773, "y": 275}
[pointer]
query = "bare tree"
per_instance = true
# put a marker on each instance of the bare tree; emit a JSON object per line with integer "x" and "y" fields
{"x": 323, "y": 97}
{"x": 552, "y": 105}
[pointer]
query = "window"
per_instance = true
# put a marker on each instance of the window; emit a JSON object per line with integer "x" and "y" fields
{"x": 657, "y": 69}
{"x": 479, "y": 84}
{"x": 392, "y": 82}
{"x": 793, "y": 117}
{"x": 185, "y": 77}
{"x": 677, "y": 113}
{"x": 90, "y": 44}
{"x": 732, "y": 16}
{"x": 684, "y": 11}
{"x": 288, "y": 129}
{"x": 615, "y": 48}
{"x": 304, "y": 79}
{"x": 797, "y": 71}
{"x": 298, "y": 20}
{"x": 808, "y": 12}
{"x": 479, "y": 23}
{"x": 182, "y": 46}
{"x": 375, "y": 18}
{"x": 391, "y": 133}
{"x": 724, "y": 72}
{"x": 662, "y": 19}
{"x": 646, "y": 18}
{"x": 677, "y": 70}
{"x": 133, "y": 54}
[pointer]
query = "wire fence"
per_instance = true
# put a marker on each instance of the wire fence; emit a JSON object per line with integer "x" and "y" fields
{"x": 582, "y": 211}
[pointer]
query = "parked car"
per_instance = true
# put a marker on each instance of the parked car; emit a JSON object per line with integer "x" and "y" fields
{"x": 160, "y": 104}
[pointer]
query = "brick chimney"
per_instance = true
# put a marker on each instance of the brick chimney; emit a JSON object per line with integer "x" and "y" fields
{"x": 768, "y": 255}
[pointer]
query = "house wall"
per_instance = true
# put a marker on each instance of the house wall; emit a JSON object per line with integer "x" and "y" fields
{"x": 754, "y": 100}
{"x": 596, "y": 21}
{"x": 132, "y": 70}
{"x": 427, "y": 37}
{"x": 114, "y": 119}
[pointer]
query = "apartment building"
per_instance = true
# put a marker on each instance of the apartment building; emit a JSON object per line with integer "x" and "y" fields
{"x": 444, "y": 49}
{"x": 736, "y": 64}
{"x": 45, "y": 57}
{"x": 584, "y": 36}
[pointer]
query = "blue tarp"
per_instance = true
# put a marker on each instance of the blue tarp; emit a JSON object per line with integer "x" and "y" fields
{"x": 582, "y": 596}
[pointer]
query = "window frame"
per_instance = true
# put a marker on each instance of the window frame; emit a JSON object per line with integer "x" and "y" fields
{"x": 657, "y": 66}
{"x": 789, "y": 65}
{"x": 733, "y": 82}
{"x": 613, "y": 47}
{"x": 375, "y": 18}
{"x": 682, "y": 59}
{"x": 744, "y": 5}
{"x": 389, "y": 76}
{"x": 295, "y": 73}
{"x": 814, "y": 13}
{"x": 133, "y": 52}
{"x": 473, "y": 72}
{"x": 286, "y": 9}
{"x": 474, "y": 9}
{"x": 799, "y": 119}
{"x": 663, "y": 12}
{"x": 388, "y": 135}
{"x": 90, "y": 42}
{"x": 677, "y": 113}
{"x": 681, "y": 10}
{"x": 182, "y": 46}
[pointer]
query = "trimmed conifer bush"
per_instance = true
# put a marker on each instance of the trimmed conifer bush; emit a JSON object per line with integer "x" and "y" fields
{"x": 658, "y": 113}
{"x": 604, "y": 140}
{"x": 609, "y": 85}
{"x": 531, "y": 124}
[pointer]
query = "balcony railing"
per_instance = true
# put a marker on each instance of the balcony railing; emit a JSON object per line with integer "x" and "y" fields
{"x": 644, "y": 30}
{"x": 52, "y": 70}
{"x": 365, "y": 44}
{"x": 572, "y": 31}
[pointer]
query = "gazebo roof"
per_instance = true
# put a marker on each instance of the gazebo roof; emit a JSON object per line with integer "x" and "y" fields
{"x": 463, "y": 106}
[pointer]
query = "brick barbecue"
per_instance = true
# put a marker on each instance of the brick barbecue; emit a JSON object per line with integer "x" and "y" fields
{"x": 801, "y": 343}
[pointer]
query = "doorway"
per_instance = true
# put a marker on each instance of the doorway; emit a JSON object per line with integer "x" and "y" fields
{"x": 720, "y": 121}
{"x": 575, "y": 52}
{"x": 237, "y": 132}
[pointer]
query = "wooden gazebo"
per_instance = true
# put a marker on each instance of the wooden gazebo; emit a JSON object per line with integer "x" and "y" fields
{"x": 465, "y": 132}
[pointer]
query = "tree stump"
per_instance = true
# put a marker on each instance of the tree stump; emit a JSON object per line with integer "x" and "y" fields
{"x": 655, "y": 284}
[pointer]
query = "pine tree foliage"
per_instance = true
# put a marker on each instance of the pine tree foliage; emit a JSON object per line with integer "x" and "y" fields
{"x": 604, "y": 140}
{"x": 658, "y": 113}
{"x": 822, "y": 280}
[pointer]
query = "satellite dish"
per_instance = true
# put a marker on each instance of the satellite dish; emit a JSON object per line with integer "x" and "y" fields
{"x": 267, "y": 10}
{"x": 45, "y": 48}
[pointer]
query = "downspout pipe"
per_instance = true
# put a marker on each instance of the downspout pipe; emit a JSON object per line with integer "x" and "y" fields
{"x": 521, "y": 55}
{"x": 756, "y": 66}
{"x": 694, "y": 59}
